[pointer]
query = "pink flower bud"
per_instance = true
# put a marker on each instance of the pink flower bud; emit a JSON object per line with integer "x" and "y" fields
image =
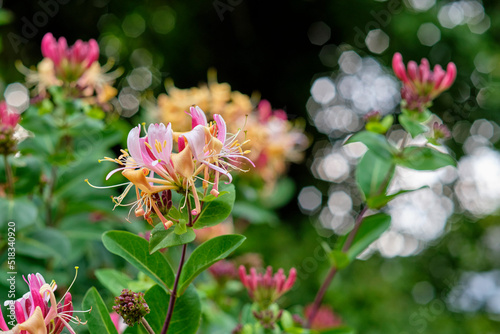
{"x": 413, "y": 70}
{"x": 399, "y": 67}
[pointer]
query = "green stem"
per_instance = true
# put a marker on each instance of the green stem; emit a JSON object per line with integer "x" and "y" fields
{"x": 333, "y": 271}
{"x": 146, "y": 325}
{"x": 9, "y": 176}
{"x": 173, "y": 296}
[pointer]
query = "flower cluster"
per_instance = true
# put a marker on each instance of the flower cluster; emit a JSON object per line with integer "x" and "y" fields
{"x": 33, "y": 313}
{"x": 265, "y": 289}
{"x": 420, "y": 84}
{"x": 8, "y": 122}
{"x": 131, "y": 306}
{"x": 275, "y": 140}
{"x": 74, "y": 67}
{"x": 151, "y": 165}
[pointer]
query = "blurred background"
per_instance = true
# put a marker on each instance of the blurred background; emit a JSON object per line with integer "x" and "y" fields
{"x": 326, "y": 63}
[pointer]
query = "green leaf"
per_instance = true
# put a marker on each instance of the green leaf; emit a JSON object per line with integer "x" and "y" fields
{"x": 218, "y": 209}
{"x": 180, "y": 227}
{"x": 375, "y": 142}
{"x": 135, "y": 250}
{"x": 27, "y": 174}
{"x": 99, "y": 321}
{"x": 207, "y": 254}
{"x": 113, "y": 280}
{"x": 187, "y": 311}
{"x": 424, "y": 158}
{"x": 20, "y": 210}
{"x": 44, "y": 244}
{"x": 377, "y": 202}
{"x": 161, "y": 238}
{"x": 374, "y": 174}
{"x": 413, "y": 127}
{"x": 338, "y": 259}
{"x": 370, "y": 230}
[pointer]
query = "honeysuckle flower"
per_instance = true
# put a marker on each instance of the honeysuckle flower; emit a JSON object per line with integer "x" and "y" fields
{"x": 212, "y": 146}
{"x": 266, "y": 288}
{"x": 118, "y": 321}
{"x": 33, "y": 313}
{"x": 8, "y": 122}
{"x": 69, "y": 62}
{"x": 8, "y": 118}
{"x": 147, "y": 156}
{"x": 420, "y": 84}
{"x": 275, "y": 141}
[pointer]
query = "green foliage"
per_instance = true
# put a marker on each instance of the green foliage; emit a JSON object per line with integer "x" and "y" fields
{"x": 374, "y": 174}
{"x": 114, "y": 280}
{"x": 375, "y": 142}
{"x": 207, "y": 254}
{"x": 216, "y": 209}
{"x": 425, "y": 158}
{"x": 370, "y": 230}
{"x": 135, "y": 250}
{"x": 161, "y": 238}
{"x": 98, "y": 320}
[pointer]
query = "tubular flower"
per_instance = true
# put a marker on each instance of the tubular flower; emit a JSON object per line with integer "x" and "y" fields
{"x": 76, "y": 68}
{"x": 266, "y": 289}
{"x": 8, "y": 122}
{"x": 152, "y": 167}
{"x": 420, "y": 84}
{"x": 276, "y": 141}
{"x": 146, "y": 157}
{"x": 69, "y": 62}
{"x": 213, "y": 147}
{"x": 33, "y": 313}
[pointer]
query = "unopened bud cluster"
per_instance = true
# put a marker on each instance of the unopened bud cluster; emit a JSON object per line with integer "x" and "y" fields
{"x": 131, "y": 306}
{"x": 266, "y": 289}
{"x": 420, "y": 84}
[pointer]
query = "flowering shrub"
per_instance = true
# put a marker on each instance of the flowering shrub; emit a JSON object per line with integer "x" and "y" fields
{"x": 179, "y": 181}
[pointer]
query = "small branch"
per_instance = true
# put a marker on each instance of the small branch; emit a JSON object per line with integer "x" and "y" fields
{"x": 173, "y": 296}
{"x": 333, "y": 271}
{"x": 148, "y": 328}
{"x": 9, "y": 176}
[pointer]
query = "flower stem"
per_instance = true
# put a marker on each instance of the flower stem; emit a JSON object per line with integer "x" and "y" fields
{"x": 333, "y": 271}
{"x": 9, "y": 176}
{"x": 148, "y": 328}
{"x": 173, "y": 296}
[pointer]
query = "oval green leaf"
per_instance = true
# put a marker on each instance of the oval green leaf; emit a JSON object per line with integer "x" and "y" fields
{"x": 187, "y": 311}
{"x": 161, "y": 238}
{"x": 135, "y": 250}
{"x": 375, "y": 142}
{"x": 425, "y": 158}
{"x": 216, "y": 209}
{"x": 99, "y": 321}
{"x": 207, "y": 254}
{"x": 370, "y": 230}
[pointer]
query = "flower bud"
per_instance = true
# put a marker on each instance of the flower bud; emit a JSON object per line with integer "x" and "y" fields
{"x": 131, "y": 306}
